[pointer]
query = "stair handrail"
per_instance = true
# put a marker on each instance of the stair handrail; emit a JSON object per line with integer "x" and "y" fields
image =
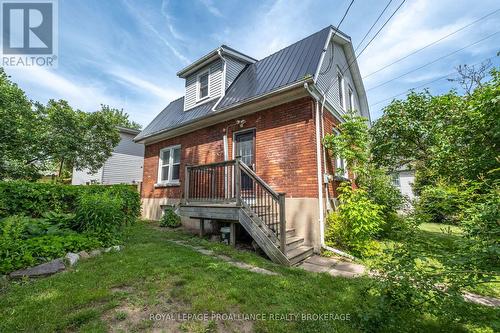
{"x": 279, "y": 197}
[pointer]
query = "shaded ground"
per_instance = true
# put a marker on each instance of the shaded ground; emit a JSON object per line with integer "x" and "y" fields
{"x": 154, "y": 284}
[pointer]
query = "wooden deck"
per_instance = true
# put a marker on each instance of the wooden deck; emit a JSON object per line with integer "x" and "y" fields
{"x": 231, "y": 192}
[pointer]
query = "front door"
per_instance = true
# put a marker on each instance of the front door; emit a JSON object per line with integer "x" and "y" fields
{"x": 245, "y": 148}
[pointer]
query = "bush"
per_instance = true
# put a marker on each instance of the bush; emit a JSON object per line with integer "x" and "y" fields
{"x": 36, "y": 199}
{"x": 377, "y": 184}
{"x": 443, "y": 203}
{"x": 482, "y": 228}
{"x": 18, "y": 251}
{"x": 356, "y": 223}
{"x": 102, "y": 215}
{"x": 170, "y": 219}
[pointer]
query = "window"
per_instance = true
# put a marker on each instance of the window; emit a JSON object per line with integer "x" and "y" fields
{"x": 340, "y": 80}
{"x": 395, "y": 180}
{"x": 203, "y": 82}
{"x": 351, "y": 99}
{"x": 169, "y": 165}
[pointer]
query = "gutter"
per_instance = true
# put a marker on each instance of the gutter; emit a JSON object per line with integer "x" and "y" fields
{"x": 320, "y": 178}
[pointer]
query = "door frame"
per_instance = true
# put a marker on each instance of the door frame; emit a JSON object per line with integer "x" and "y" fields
{"x": 243, "y": 131}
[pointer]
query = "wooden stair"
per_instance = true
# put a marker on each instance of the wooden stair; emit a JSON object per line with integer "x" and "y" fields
{"x": 295, "y": 252}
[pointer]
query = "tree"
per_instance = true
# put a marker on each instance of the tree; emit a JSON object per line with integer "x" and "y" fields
{"x": 470, "y": 77}
{"x": 448, "y": 136}
{"x": 35, "y": 138}
{"x": 351, "y": 143}
{"x": 20, "y": 128}
{"x": 120, "y": 117}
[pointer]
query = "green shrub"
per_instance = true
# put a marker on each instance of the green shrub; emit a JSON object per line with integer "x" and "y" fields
{"x": 170, "y": 219}
{"x": 102, "y": 215}
{"x": 18, "y": 251}
{"x": 377, "y": 184}
{"x": 443, "y": 203}
{"x": 356, "y": 223}
{"x": 481, "y": 225}
{"x": 36, "y": 199}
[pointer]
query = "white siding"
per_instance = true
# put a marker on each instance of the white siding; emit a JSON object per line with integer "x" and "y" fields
{"x": 406, "y": 180}
{"x": 128, "y": 146}
{"x": 215, "y": 84}
{"x": 233, "y": 68}
{"x": 328, "y": 77}
{"x": 83, "y": 177}
{"x": 122, "y": 169}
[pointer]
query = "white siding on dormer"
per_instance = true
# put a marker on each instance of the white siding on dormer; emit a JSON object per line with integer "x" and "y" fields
{"x": 328, "y": 77}
{"x": 215, "y": 84}
{"x": 233, "y": 69}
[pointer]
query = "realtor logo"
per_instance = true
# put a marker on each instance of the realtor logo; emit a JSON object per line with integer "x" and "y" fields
{"x": 29, "y": 32}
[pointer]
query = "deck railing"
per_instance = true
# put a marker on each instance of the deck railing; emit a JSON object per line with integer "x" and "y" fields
{"x": 234, "y": 182}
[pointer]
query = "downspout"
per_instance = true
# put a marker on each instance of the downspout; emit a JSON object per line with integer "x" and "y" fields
{"x": 320, "y": 187}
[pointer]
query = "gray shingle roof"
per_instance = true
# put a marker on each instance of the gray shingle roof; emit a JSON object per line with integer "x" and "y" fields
{"x": 285, "y": 67}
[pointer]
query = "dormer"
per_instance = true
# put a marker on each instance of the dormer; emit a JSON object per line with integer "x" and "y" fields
{"x": 209, "y": 77}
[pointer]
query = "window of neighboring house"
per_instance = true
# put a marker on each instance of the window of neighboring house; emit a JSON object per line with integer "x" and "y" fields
{"x": 340, "y": 163}
{"x": 203, "y": 82}
{"x": 340, "y": 80}
{"x": 395, "y": 180}
{"x": 169, "y": 165}
{"x": 350, "y": 96}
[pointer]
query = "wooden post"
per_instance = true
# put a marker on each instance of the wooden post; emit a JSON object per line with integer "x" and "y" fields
{"x": 202, "y": 227}
{"x": 232, "y": 236}
{"x": 282, "y": 222}
{"x": 237, "y": 180}
{"x": 186, "y": 183}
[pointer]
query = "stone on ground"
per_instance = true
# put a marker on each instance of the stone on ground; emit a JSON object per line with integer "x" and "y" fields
{"x": 45, "y": 269}
{"x": 72, "y": 258}
{"x": 84, "y": 255}
{"x": 95, "y": 253}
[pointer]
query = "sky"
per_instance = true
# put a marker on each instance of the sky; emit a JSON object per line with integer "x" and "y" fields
{"x": 126, "y": 53}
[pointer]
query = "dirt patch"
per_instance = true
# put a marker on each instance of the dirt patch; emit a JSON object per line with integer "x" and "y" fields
{"x": 168, "y": 315}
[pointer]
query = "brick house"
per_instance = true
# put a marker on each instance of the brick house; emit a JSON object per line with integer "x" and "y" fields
{"x": 243, "y": 145}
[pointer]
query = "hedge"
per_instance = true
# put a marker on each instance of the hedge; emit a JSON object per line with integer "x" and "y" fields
{"x": 35, "y": 199}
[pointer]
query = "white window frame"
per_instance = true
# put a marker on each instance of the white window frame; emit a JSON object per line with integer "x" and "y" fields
{"x": 198, "y": 85}
{"x": 171, "y": 164}
{"x": 350, "y": 95}
{"x": 396, "y": 180}
{"x": 341, "y": 89}
{"x": 340, "y": 162}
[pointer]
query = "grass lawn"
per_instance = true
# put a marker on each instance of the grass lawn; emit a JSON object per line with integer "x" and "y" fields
{"x": 120, "y": 291}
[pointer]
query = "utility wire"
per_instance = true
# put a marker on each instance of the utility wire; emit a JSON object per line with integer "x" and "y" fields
{"x": 334, "y": 80}
{"x": 334, "y": 33}
{"x": 373, "y": 25}
{"x": 433, "y": 43}
{"x": 433, "y": 61}
{"x": 382, "y": 27}
{"x": 424, "y": 84}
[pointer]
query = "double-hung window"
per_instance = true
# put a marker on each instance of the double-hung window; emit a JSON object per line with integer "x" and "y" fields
{"x": 169, "y": 165}
{"x": 203, "y": 83}
{"x": 340, "y": 81}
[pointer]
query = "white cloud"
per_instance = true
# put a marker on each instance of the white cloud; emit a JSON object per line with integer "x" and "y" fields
{"x": 209, "y": 4}
{"x": 143, "y": 85}
{"x": 147, "y": 25}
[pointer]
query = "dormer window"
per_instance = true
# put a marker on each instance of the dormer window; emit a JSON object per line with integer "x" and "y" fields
{"x": 203, "y": 84}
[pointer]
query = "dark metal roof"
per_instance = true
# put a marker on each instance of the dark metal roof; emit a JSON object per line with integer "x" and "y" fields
{"x": 174, "y": 115}
{"x": 283, "y": 68}
{"x": 289, "y": 65}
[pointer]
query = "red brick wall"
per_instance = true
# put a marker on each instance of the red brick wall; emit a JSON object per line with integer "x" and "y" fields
{"x": 285, "y": 150}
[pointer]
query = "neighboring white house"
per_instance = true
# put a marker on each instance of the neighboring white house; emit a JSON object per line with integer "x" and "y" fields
{"x": 404, "y": 179}
{"x": 125, "y": 166}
